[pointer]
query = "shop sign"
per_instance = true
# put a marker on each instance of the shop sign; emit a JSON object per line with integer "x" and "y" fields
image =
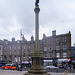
{"x": 26, "y": 62}
{"x": 64, "y": 60}
{"x": 59, "y": 64}
{"x": 48, "y": 60}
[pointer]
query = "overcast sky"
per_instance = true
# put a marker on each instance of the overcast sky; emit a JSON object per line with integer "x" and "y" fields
{"x": 16, "y": 15}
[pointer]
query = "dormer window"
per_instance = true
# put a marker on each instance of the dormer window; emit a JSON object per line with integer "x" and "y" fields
{"x": 18, "y": 41}
{"x": 6, "y": 42}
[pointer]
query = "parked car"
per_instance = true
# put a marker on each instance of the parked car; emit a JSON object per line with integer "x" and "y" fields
{"x": 51, "y": 67}
{"x": 61, "y": 66}
{"x": 9, "y": 66}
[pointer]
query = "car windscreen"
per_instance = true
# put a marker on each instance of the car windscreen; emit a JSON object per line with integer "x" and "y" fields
{"x": 8, "y": 64}
{"x": 13, "y": 65}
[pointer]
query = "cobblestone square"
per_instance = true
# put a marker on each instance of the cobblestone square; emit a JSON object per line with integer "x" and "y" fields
{"x": 14, "y": 72}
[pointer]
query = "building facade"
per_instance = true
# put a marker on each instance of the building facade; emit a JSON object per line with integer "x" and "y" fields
{"x": 73, "y": 56}
{"x": 55, "y": 48}
{"x": 18, "y": 51}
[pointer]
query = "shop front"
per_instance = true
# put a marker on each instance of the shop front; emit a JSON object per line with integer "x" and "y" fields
{"x": 26, "y": 64}
{"x": 61, "y": 62}
{"x": 73, "y": 63}
{"x": 47, "y": 62}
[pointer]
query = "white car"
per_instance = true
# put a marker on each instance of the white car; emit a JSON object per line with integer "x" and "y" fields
{"x": 51, "y": 67}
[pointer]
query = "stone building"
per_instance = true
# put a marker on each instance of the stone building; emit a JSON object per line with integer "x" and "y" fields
{"x": 73, "y": 56}
{"x": 18, "y": 51}
{"x": 1, "y": 49}
{"x": 55, "y": 48}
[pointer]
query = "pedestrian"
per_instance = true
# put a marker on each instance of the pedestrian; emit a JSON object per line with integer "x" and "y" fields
{"x": 57, "y": 70}
{"x": 18, "y": 67}
{"x": 66, "y": 69}
{"x": 70, "y": 66}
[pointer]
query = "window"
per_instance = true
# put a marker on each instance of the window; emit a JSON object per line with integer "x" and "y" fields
{"x": 10, "y": 47}
{"x": 24, "y": 56}
{"x": 29, "y": 57}
{"x": 64, "y": 39}
{"x": 50, "y": 48}
{"x": 29, "y": 47}
{"x": 24, "y": 47}
{"x": 5, "y": 57}
{"x": 64, "y": 47}
{"x": 15, "y": 58}
{"x": 64, "y": 55}
{"x": 15, "y": 47}
{"x": 18, "y": 47}
{"x": 10, "y": 58}
{"x": 74, "y": 52}
{"x": 57, "y": 40}
{"x": 45, "y": 48}
{"x": 0, "y": 58}
{"x": 50, "y": 54}
{"x": 57, "y": 47}
{"x": 6, "y": 42}
{"x": 29, "y": 53}
{"x": 10, "y": 53}
{"x": 50, "y": 40}
{"x": 44, "y": 41}
{"x": 0, "y": 52}
{"x": 5, "y": 48}
{"x": 24, "y": 52}
{"x": 58, "y": 55}
{"x": 0, "y": 47}
{"x": 19, "y": 58}
{"x": 45, "y": 54}
{"x": 40, "y": 45}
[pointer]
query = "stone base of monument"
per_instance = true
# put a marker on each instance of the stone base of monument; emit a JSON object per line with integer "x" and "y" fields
{"x": 36, "y": 74}
{"x": 37, "y": 64}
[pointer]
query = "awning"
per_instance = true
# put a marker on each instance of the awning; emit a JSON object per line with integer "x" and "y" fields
{"x": 64, "y": 60}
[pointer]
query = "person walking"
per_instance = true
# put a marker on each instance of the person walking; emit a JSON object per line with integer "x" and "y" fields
{"x": 66, "y": 69}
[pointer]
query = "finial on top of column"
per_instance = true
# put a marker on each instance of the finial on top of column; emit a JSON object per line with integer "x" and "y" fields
{"x": 36, "y": 3}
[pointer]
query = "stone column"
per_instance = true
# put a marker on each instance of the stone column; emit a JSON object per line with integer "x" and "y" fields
{"x": 37, "y": 27}
{"x": 37, "y": 56}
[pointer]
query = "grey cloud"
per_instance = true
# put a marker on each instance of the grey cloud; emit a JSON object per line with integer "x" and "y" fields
{"x": 56, "y": 14}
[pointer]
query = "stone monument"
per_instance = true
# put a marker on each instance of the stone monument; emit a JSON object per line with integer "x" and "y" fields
{"x": 37, "y": 56}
